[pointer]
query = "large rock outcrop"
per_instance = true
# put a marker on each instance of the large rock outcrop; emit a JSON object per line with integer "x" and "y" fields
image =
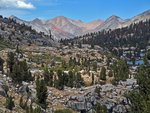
{"x": 110, "y": 95}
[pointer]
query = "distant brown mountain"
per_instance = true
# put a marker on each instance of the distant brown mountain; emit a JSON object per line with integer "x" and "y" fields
{"x": 62, "y": 27}
{"x": 110, "y": 23}
{"x": 68, "y": 27}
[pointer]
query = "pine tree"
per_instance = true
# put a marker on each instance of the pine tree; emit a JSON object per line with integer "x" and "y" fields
{"x": 103, "y": 73}
{"x": 92, "y": 78}
{"x": 79, "y": 80}
{"x": 41, "y": 94}
{"x": 94, "y": 66}
{"x": 20, "y": 72}
{"x": 70, "y": 79}
{"x": 6, "y": 88}
{"x": 59, "y": 83}
{"x": 110, "y": 74}
{"x": 140, "y": 100}
{"x": 51, "y": 78}
{"x": 17, "y": 49}
{"x": 11, "y": 61}
{"x": 1, "y": 64}
{"x": 10, "y": 103}
{"x": 16, "y": 73}
{"x": 148, "y": 55}
{"x": 21, "y": 104}
{"x": 100, "y": 108}
{"x": 48, "y": 77}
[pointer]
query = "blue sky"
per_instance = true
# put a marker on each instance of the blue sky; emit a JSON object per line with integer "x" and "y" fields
{"x": 85, "y": 10}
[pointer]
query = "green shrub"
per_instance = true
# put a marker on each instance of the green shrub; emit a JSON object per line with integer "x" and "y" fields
{"x": 102, "y": 82}
{"x": 63, "y": 111}
{"x": 10, "y": 103}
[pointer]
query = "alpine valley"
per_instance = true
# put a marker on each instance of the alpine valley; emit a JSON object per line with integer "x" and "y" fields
{"x": 68, "y": 66}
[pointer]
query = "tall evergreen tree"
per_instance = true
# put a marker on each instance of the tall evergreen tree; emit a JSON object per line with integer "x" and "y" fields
{"x": 1, "y": 64}
{"x": 70, "y": 79}
{"x": 41, "y": 93}
{"x": 46, "y": 76}
{"x": 92, "y": 78}
{"x": 79, "y": 80}
{"x": 59, "y": 83}
{"x": 140, "y": 100}
{"x": 20, "y": 72}
{"x": 100, "y": 108}
{"x": 103, "y": 73}
{"x": 11, "y": 61}
{"x": 94, "y": 66}
{"x": 10, "y": 103}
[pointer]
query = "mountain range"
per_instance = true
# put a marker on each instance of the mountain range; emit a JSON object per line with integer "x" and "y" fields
{"x": 62, "y": 27}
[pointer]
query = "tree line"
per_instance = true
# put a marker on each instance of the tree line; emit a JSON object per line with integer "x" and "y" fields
{"x": 136, "y": 35}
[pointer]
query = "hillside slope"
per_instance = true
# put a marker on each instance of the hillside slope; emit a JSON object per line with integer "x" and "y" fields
{"x": 17, "y": 33}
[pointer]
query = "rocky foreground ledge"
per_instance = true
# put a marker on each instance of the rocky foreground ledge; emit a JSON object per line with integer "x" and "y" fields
{"x": 110, "y": 95}
{"x": 81, "y": 99}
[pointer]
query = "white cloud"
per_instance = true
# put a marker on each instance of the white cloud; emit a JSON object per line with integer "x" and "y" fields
{"x": 21, "y": 4}
{"x": 24, "y": 5}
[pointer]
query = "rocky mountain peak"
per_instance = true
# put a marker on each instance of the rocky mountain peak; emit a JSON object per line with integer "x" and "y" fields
{"x": 13, "y": 17}
{"x": 59, "y": 21}
{"x": 37, "y": 20}
{"x": 80, "y": 21}
{"x": 60, "y": 18}
{"x": 113, "y": 17}
{"x": 97, "y": 21}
